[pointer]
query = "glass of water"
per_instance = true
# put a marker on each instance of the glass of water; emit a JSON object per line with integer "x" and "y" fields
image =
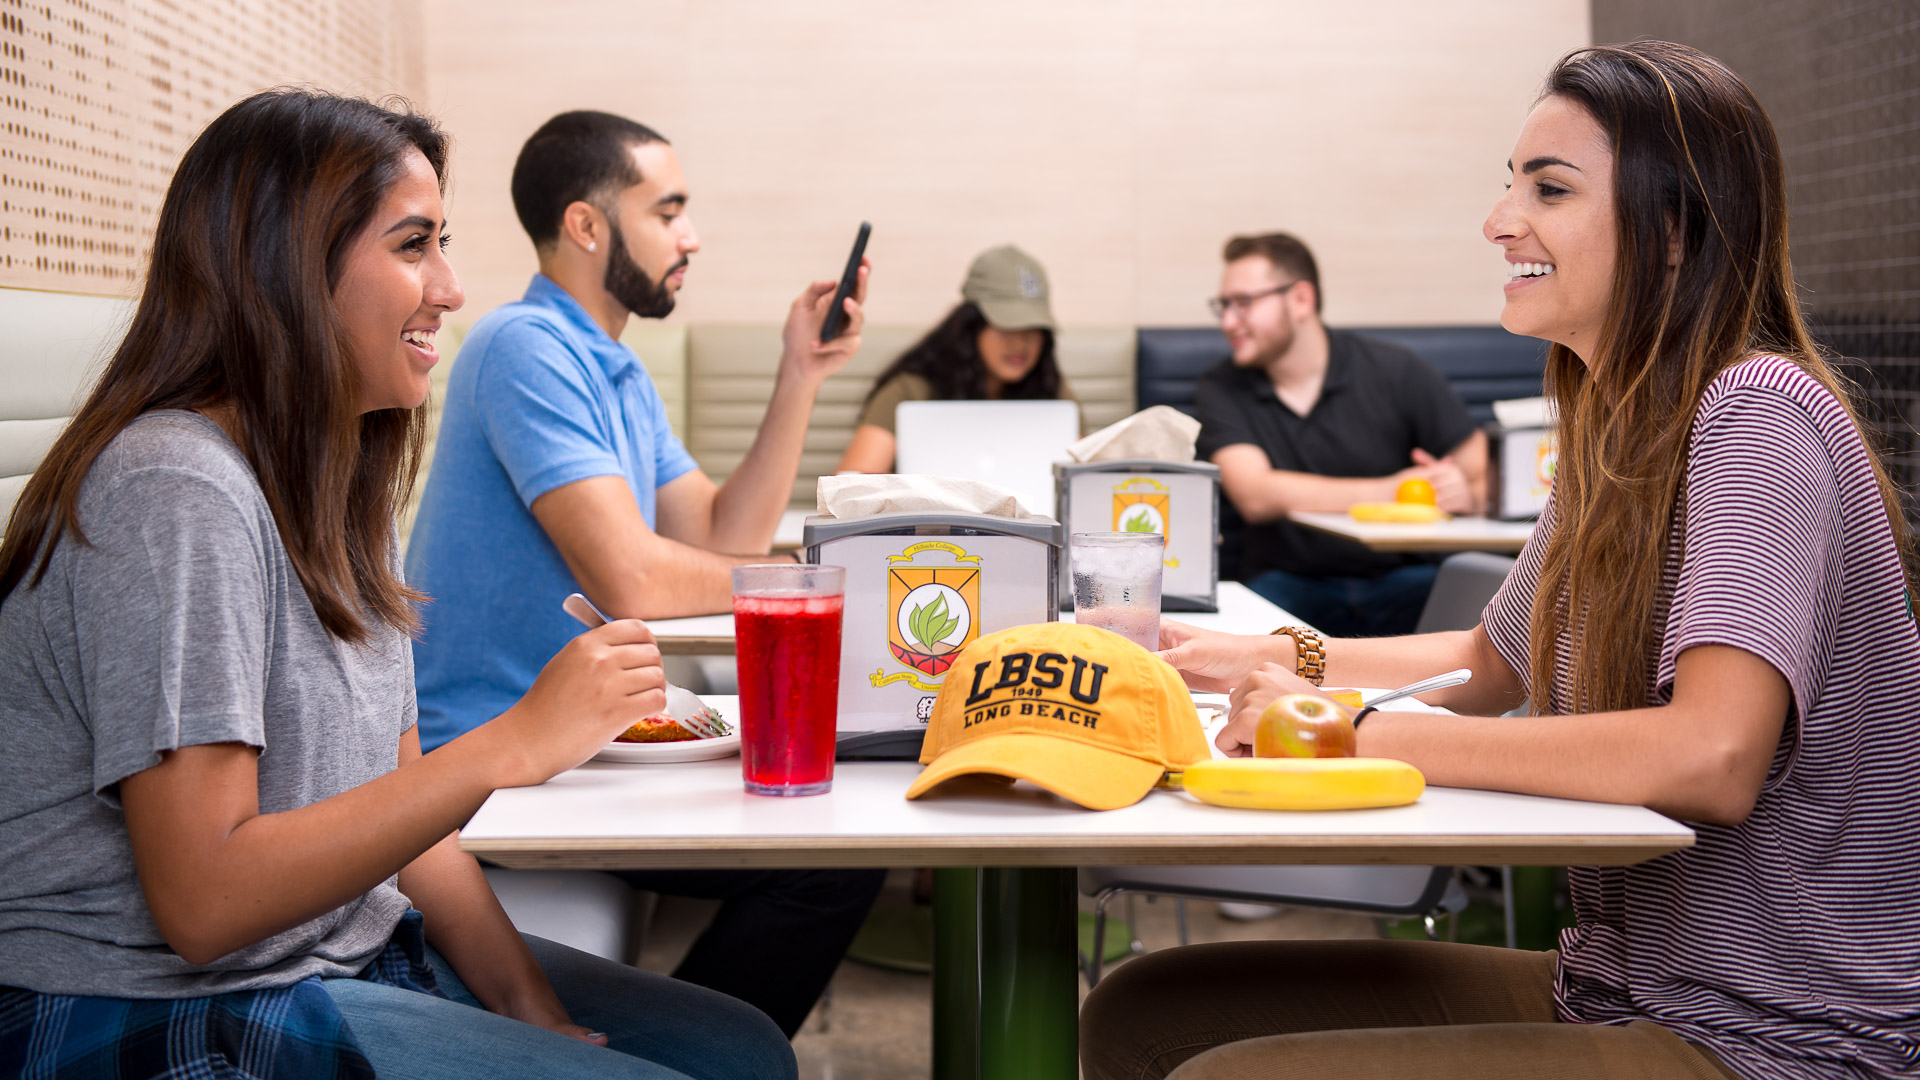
{"x": 1116, "y": 583}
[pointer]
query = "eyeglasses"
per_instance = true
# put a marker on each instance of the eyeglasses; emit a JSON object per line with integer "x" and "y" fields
{"x": 1240, "y": 302}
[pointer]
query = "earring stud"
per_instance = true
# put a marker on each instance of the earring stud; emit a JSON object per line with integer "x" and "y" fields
{"x": 593, "y": 245}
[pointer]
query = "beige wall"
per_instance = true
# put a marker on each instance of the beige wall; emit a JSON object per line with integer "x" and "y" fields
{"x": 1120, "y": 142}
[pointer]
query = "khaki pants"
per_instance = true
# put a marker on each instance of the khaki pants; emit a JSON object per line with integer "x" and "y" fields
{"x": 1364, "y": 1010}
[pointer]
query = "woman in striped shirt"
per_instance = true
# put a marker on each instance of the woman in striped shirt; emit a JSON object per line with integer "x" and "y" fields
{"x": 1712, "y": 620}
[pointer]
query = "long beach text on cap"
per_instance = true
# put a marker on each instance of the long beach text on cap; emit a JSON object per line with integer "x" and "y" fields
{"x": 1027, "y": 680}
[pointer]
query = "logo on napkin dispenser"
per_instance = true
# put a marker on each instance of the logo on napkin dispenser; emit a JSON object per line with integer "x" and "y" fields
{"x": 1144, "y": 505}
{"x": 933, "y": 609}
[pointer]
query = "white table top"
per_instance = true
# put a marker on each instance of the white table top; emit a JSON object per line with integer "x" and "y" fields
{"x": 608, "y": 816}
{"x": 1242, "y": 611}
{"x": 1455, "y": 534}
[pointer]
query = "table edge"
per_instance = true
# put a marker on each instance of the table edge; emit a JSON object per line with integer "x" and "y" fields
{"x": 1002, "y": 850}
{"x": 1415, "y": 543}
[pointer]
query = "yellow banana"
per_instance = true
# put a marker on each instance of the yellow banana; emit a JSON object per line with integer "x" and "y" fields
{"x": 1301, "y": 783}
{"x": 1405, "y": 513}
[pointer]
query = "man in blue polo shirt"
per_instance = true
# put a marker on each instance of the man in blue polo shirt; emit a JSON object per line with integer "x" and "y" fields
{"x": 556, "y": 471}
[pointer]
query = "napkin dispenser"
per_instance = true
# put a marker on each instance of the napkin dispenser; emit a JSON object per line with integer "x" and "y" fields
{"x": 1521, "y": 461}
{"x": 1179, "y": 500}
{"x": 920, "y": 586}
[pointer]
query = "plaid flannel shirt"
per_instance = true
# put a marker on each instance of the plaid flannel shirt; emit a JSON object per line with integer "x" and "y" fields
{"x": 290, "y": 1032}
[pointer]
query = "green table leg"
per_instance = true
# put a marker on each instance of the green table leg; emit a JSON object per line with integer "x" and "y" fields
{"x": 1006, "y": 978}
{"x": 956, "y": 973}
{"x": 1536, "y": 923}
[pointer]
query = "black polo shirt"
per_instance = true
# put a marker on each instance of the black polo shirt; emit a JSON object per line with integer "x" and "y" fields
{"x": 1380, "y": 401}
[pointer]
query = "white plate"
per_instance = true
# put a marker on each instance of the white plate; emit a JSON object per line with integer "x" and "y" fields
{"x": 661, "y": 753}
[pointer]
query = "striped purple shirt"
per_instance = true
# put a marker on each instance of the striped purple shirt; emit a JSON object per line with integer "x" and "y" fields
{"x": 1789, "y": 944}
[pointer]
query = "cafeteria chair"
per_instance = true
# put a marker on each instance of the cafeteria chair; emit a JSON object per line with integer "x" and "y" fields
{"x": 1423, "y": 892}
{"x": 1464, "y": 585}
{"x": 1461, "y": 591}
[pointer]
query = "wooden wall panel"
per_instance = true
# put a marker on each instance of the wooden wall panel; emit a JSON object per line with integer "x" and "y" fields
{"x": 1121, "y": 141}
{"x": 100, "y": 98}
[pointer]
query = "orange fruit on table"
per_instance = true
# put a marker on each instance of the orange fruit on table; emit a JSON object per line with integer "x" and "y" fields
{"x": 1415, "y": 490}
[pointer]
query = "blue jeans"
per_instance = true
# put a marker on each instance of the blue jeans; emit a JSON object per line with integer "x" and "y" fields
{"x": 657, "y": 1028}
{"x": 1352, "y": 607}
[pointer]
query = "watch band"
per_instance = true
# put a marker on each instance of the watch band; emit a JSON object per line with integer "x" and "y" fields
{"x": 1310, "y": 653}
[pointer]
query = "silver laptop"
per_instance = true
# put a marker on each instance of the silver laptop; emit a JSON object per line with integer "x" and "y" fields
{"x": 1010, "y": 443}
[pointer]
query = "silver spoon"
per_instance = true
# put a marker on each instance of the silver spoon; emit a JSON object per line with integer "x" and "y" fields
{"x": 684, "y": 707}
{"x": 1438, "y": 682}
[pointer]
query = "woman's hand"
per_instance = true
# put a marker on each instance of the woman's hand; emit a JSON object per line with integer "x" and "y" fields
{"x": 1215, "y": 662}
{"x": 1258, "y": 690}
{"x": 593, "y": 689}
{"x": 550, "y": 1014}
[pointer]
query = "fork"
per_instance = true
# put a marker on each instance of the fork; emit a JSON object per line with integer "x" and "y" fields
{"x": 700, "y": 718}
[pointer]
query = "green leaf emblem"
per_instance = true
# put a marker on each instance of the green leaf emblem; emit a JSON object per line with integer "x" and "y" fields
{"x": 1138, "y": 522}
{"x": 929, "y": 625}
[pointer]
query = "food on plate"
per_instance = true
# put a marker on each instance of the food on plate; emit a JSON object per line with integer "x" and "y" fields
{"x": 659, "y": 728}
{"x": 1350, "y": 698}
{"x": 662, "y": 727}
{"x": 1301, "y": 784}
{"x": 1304, "y": 726}
{"x": 1404, "y": 513}
{"x": 1414, "y": 490}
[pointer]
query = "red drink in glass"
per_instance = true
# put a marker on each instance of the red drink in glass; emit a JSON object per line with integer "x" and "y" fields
{"x": 786, "y": 626}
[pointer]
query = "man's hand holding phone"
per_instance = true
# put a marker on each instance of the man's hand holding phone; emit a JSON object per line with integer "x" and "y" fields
{"x": 815, "y": 343}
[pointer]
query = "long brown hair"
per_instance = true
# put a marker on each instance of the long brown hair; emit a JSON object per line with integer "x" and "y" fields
{"x": 948, "y": 357}
{"x": 238, "y": 312}
{"x": 1696, "y": 162}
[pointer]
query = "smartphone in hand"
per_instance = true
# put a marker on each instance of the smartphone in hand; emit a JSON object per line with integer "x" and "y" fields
{"x": 850, "y": 277}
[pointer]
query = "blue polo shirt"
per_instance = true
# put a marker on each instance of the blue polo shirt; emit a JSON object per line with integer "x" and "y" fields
{"x": 540, "y": 397}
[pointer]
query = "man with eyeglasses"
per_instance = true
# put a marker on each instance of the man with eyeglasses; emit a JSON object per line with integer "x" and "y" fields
{"x": 1307, "y": 418}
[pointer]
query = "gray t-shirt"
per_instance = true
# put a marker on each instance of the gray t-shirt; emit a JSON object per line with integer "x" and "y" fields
{"x": 182, "y": 623}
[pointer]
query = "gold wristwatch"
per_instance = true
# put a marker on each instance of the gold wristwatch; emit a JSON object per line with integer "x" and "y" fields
{"x": 1309, "y": 653}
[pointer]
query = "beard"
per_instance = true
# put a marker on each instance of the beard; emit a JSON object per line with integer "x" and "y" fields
{"x": 630, "y": 285}
{"x": 1274, "y": 348}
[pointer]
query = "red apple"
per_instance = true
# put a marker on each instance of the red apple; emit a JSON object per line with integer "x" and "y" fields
{"x": 1304, "y": 726}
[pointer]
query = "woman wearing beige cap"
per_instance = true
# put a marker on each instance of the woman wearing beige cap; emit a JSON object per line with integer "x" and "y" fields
{"x": 997, "y": 344}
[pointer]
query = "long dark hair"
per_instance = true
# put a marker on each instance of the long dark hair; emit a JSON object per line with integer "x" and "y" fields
{"x": 1695, "y": 160}
{"x": 238, "y": 311}
{"x": 949, "y": 358}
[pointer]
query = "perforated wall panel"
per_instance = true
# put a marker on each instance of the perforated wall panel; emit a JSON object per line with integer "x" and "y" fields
{"x": 98, "y": 99}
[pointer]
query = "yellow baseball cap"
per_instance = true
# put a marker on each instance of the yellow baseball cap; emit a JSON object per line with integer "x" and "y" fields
{"x": 1078, "y": 710}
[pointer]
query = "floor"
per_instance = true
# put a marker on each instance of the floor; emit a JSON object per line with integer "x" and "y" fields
{"x": 875, "y": 1025}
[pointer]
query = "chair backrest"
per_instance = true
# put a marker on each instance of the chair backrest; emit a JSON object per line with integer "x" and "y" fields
{"x": 730, "y": 375}
{"x": 1461, "y": 591}
{"x": 1484, "y": 364}
{"x": 55, "y": 345}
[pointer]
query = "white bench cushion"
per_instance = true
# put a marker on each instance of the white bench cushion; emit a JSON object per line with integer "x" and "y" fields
{"x": 54, "y": 347}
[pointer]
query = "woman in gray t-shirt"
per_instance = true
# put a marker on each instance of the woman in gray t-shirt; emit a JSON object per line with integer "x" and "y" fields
{"x": 222, "y": 844}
